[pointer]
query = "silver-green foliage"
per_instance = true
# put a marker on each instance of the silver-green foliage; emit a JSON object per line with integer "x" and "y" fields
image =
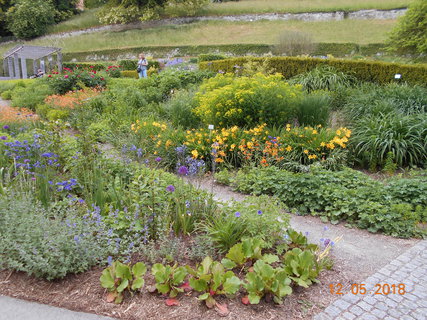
{"x": 48, "y": 243}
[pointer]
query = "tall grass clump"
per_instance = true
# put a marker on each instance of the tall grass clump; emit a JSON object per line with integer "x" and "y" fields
{"x": 313, "y": 109}
{"x": 293, "y": 43}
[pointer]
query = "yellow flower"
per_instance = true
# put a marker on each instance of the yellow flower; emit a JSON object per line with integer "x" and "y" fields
{"x": 288, "y": 148}
{"x": 312, "y": 156}
{"x": 322, "y": 144}
{"x": 219, "y": 160}
{"x": 306, "y": 151}
{"x": 195, "y": 154}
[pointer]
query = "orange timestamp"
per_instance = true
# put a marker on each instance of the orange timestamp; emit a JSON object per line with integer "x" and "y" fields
{"x": 360, "y": 288}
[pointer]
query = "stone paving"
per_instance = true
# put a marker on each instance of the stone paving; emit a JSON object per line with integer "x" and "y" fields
{"x": 409, "y": 269}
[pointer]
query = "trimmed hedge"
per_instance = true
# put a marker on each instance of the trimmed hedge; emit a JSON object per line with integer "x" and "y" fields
{"x": 95, "y": 66}
{"x": 335, "y": 49}
{"x": 130, "y": 74}
{"x": 128, "y": 65}
{"x": 379, "y": 72}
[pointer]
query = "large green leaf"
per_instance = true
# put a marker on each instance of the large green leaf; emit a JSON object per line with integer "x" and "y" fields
{"x": 198, "y": 284}
{"x": 123, "y": 271}
{"x": 206, "y": 264}
{"x": 163, "y": 287}
{"x": 137, "y": 283}
{"x": 139, "y": 269}
{"x": 270, "y": 258}
{"x": 179, "y": 275}
{"x": 107, "y": 281}
{"x": 123, "y": 285}
{"x": 204, "y": 296}
{"x": 254, "y": 298}
{"x": 228, "y": 264}
{"x": 232, "y": 285}
{"x": 236, "y": 254}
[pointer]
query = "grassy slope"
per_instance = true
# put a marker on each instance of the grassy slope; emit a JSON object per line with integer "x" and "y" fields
{"x": 85, "y": 20}
{"x": 212, "y": 32}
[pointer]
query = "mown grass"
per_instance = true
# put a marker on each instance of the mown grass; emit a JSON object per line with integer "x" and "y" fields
{"x": 86, "y": 19}
{"x": 221, "y": 32}
{"x": 294, "y": 6}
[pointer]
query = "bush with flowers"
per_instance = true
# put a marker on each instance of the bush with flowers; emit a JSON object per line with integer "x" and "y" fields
{"x": 226, "y": 100}
{"x": 76, "y": 79}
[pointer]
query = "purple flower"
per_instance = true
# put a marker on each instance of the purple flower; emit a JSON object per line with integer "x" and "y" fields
{"x": 158, "y": 159}
{"x": 259, "y": 212}
{"x": 183, "y": 170}
{"x": 5, "y": 127}
{"x": 237, "y": 214}
{"x": 3, "y": 138}
{"x": 325, "y": 228}
{"x": 170, "y": 188}
{"x": 110, "y": 260}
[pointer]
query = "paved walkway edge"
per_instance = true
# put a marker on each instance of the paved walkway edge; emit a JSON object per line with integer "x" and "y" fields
{"x": 410, "y": 269}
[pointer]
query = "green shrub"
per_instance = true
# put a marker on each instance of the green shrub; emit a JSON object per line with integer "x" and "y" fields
{"x": 55, "y": 114}
{"x": 411, "y": 191}
{"x": 210, "y": 57}
{"x": 31, "y": 95}
{"x": 99, "y": 131}
{"x": 404, "y": 136}
{"x": 313, "y": 109}
{"x": 371, "y": 99}
{"x": 369, "y": 71}
{"x": 7, "y": 85}
{"x": 90, "y": 4}
{"x": 324, "y": 78}
{"x": 130, "y": 65}
{"x": 130, "y": 74}
{"x": 179, "y": 109}
{"x": 30, "y": 18}
{"x": 96, "y": 66}
{"x": 6, "y": 95}
{"x": 243, "y": 101}
{"x": 47, "y": 243}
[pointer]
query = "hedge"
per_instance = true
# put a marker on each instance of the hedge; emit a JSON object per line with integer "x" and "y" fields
{"x": 335, "y": 49}
{"x": 95, "y": 66}
{"x": 379, "y": 72}
{"x": 130, "y": 74}
{"x": 132, "y": 64}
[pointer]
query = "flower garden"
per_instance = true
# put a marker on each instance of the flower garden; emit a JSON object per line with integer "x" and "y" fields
{"x": 105, "y": 178}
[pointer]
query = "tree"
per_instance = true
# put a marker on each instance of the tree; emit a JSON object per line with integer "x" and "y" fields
{"x": 410, "y": 35}
{"x": 30, "y": 18}
{"x": 4, "y": 6}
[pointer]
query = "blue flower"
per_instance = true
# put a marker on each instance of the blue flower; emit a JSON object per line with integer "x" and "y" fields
{"x": 158, "y": 159}
{"x": 183, "y": 170}
{"x": 110, "y": 260}
{"x": 170, "y": 188}
{"x": 259, "y": 212}
{"x": 6, "y": 127}
{"x": 237, "y": 214}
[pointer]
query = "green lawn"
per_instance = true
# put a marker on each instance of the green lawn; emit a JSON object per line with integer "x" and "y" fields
{"x": 264, "y": 6}
{"x": 85, "y": 20}
{"x": 220, "y": 32}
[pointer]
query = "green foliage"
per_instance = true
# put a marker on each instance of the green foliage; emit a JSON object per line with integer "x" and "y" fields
{"x": 99, "y": 131}
{"x": 52, "y": 242}
{"x": 246, "y": 101}
{"x": 130, "y": 65}
{"x": 324, "y": 78}
{"x": 168, "y": 279}
{"x": 31, "y": 95}
{"x": 130, "y": 74}
{"x": 210, "y": 57}
{"x": 368, "y": 71}
{"x": 266, "y": 280}
{"x": 96, "y": 66}
{"x": 6, "y": 95}
{"x": 90, "y": 4}
{"x": 343, "y": 195}
{"x": 210, "y": 278}
{"x": 301, "y": 267}
{"x": 390, "y": 166}
{"x": 55, "y": 114}
{"x": 179, "y": 109}
{"x": 120, "y": 277}
{"x": 404, "y": 136}
{"x": 242, "y": 252}
{"x": 371, "y": 99}
{"x": 75, "y": 80}
{"x": 313, "y": 109}
{"x": 256, "y": 217}
{"x": 30, "y": 18}
{"x": 410, "y": 33}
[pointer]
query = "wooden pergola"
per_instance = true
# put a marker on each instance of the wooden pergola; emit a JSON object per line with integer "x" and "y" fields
{"x": 15, "y": 60}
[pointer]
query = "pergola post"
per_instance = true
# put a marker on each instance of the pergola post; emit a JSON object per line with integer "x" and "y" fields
{"x": 35, "y": 66}
{"x": 50, "y": 62}
{"x": 4, "y": 67}
{"x": 16, "y": 64}
{"x": 24, "y": 68}
{"x": 42, "y": 65}
{"x": 59, "y": 57}
{"x": 10, "y": 67}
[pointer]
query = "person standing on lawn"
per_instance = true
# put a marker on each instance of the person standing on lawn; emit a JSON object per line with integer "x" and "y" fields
{"x": 142, "y": 66}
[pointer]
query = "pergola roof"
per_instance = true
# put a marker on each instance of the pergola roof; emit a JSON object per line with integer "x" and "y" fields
{"x": 31, "y": 52}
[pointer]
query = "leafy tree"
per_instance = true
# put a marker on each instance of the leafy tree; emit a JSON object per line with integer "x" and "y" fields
{"x": 4, "y": 6}
{"x": 410, "y": 35}
{"x": 30, "y": 18}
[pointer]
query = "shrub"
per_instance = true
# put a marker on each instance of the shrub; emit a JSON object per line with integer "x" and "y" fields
{"x": 31, "y": 95}
{"x": 324, "y": 78}
{"x": 243, "y": 101}
{"x": 313, "y": 109}
{"x": 211, "y": 57}
{"x": 369, "y": 71}
{"x": 179, "y": 109}
{"x": 6, "y": 95}
{"x": 371, "y": 99}
{"x": 99, "y": 131}
{"x": 75, "y": 80}
{"x": 130, "y": 65}
{"x": 55, "y": 114}
{"x": 30, "y": 18}
{"x": 95, "y": 66}
{"x": 52, "y": 242}
{"x": 293, "y": 43}
{"x": 130, "y": 74}
{"x": 404, "y": 136}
